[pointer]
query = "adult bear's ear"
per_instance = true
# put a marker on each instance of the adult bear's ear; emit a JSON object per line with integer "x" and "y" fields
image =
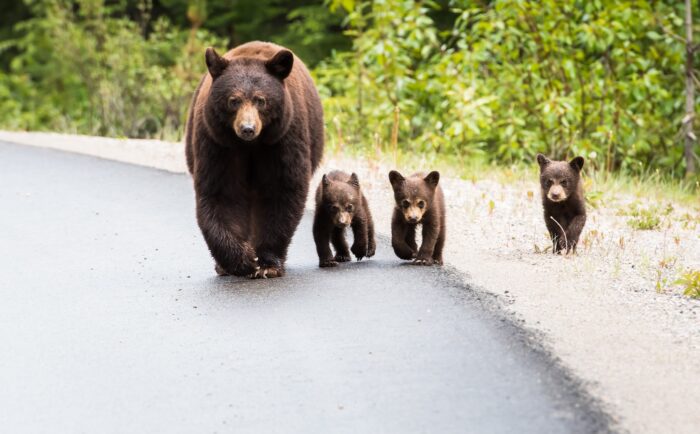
{"x": 577, "y": 163}
{"x": 432, "y": 179}
{"x": 396, "y": 179}
{"x": 215, "y": 63}
{"x": 354, "y": 181}
{"x": 325, "y": 182}
{"x": 542, "y": 160}
{"x": 281, "y": 64}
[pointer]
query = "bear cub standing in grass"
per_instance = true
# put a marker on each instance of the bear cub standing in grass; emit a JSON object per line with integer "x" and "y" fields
{"x": 419, "y": 200}
{"x": 563, "y": 201}
{"x": 339, "y": 204}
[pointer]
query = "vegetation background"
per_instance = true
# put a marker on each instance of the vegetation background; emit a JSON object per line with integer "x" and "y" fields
{"x": 487, "y": 81}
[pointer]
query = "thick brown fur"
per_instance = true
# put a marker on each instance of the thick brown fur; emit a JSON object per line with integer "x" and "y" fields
{"x": 254, "y": 138}
{"x": 563, "y": 201}
{"x": 340, "y": 203}
{"x": 419, "y": 200}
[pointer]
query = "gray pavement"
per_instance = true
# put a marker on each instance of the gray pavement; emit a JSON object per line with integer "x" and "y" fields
{"x": 112, "y": 320}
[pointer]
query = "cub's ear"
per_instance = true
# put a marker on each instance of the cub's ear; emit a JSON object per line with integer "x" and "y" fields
{"x": 432, "y": 179}
{"x": 577, "y": 163}
{"x": 542, "y": 160}
{"x": 281, "y": 64}
{"x": 354, "y": 181}
{"x": 325, "y": 181}
{"x": 215, "y": 63}
{"x": 396, "y": 179}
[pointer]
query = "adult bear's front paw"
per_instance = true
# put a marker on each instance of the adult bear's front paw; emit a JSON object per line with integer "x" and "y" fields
{"x": 244, "y": 265}
{"x": 267, "y": 273}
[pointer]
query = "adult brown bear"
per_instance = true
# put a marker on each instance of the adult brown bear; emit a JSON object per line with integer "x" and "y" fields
{"x": 254, "y": 138}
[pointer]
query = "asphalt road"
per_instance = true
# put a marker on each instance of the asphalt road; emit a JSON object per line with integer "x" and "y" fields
{"x": 112, "y": 320}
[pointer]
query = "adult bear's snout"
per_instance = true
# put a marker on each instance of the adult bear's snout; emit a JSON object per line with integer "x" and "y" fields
{"x": 247, "y": 124}
{"x": 248, "y": 131}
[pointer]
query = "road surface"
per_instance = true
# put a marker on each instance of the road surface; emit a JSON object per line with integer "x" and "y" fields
{"x": 112, "y": 320}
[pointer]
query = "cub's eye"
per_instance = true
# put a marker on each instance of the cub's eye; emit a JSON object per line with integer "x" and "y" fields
{"x": 421, "y": 204}
{"x": 550, "y": 181}
{"x": 348, "y": 208}
{"x": 234, "y": 102}
{"x": 564, "y": 182}
{"x": 259, "y": 101}
{"x": 334, "y": 208}
{"x": 405, "y": 204}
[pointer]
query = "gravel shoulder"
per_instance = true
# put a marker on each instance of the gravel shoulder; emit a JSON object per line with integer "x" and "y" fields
{"x": 610, "y": 314}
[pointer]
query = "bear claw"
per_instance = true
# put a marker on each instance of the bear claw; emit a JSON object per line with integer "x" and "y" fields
{"x": 342, "y": 258}
{"x": 328, "y": 263}
{"x": 266, "y": 273}
{"x": 418, "y": 261}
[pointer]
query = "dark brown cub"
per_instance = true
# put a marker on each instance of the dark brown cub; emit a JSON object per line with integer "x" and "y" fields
{"x": 419, "y": 201}
{"x": 563, "y": 201}
{"x": 339, "y": 204}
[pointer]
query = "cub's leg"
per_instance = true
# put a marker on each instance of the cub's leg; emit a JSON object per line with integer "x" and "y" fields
{"x": 359, "y": 244}
{"x": 411, "y": 238}
{"x": 399, "y": 232}
{"x": 573, "y": 232}
{"x": 554, "y": 234}
{"x": 431, "y": 231}
{"x": 342, "y": 254}
{"x": 439, "y": 244}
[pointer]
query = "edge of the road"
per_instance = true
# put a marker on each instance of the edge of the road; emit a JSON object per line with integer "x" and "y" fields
{"x": 169, "y": 156}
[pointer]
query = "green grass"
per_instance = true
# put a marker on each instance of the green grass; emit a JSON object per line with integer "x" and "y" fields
{"x": 602, "y": 188}
{"x": 690, "y": 282}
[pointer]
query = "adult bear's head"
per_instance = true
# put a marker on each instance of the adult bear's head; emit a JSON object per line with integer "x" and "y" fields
{"x": 248, "y": 94}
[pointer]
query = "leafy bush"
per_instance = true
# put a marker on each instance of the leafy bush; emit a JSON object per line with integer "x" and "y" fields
{"x": 88, "y": 69}
{"x": 506, "y": 80}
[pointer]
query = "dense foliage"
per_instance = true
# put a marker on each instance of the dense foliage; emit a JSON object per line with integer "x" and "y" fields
{"x": 496, "y": 80}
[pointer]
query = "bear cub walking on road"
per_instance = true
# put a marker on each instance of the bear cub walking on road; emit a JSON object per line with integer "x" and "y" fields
{"x": 419, "y": 200}
{"x": 339, "y": 204}
{"x": 563, "y": 201}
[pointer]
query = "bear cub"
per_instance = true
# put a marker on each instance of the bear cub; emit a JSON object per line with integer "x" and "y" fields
{"x": 339, "y": 204}
{"x": 419, "y": 201}
{"x": 563, "y": 201}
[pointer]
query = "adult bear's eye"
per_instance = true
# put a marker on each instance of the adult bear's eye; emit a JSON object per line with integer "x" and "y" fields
{"x": 406, "y": 204}
{"x": 348, "y": 208}
{"x": 421, "y": 204}
{"x": 234, "y": 102}
{"x": 259, "y": 101}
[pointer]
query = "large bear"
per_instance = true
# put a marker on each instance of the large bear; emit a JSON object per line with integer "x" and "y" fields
{"x": 254, "y": 138}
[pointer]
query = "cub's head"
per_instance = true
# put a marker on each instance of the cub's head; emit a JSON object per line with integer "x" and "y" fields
{"x": 414, "y": 194}
{"x": 247, "y": 95}
{"x": 341, "y": 199}
{"x": 559, "y": 179}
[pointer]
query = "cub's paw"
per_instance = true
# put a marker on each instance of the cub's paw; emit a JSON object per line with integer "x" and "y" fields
{"x": 220, "y": 270}
{"x": 267, "y": 273}
{"x": 423, "y": 261}
{"x": 342, "y": 258}
{"x": 359, "y": 251}
{"x": 371, "y": 250}
{"x": 327, "y": 263}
